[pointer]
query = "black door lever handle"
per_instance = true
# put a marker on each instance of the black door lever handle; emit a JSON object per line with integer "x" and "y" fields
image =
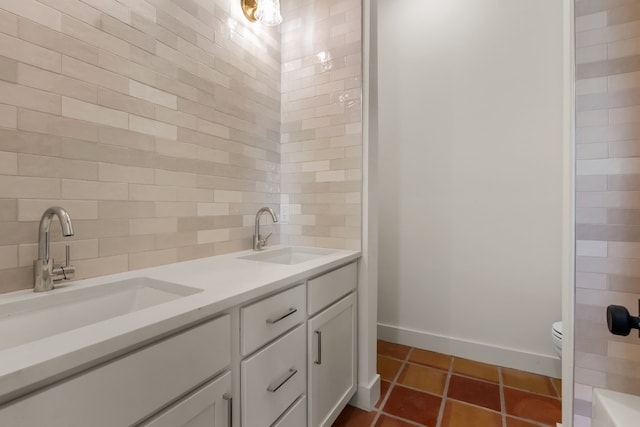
{"x": 620, "y": 322}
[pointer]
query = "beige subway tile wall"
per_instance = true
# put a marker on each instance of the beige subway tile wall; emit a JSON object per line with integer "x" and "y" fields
{"x": 608, "y": 196}
{"x": 155, "y": 123}
{"x": 321, "y": 151}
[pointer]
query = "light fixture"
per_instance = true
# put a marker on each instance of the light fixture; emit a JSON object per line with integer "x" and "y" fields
{"x": 265, "y": 11}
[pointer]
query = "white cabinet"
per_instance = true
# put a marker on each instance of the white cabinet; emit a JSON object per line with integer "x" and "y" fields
{"x": 209, "y": 406}
{"x": 129, "y": 389}
{"x": 332, "y": 361}
{"x": 289, "y": 358}
{"x": 306, "y": 376}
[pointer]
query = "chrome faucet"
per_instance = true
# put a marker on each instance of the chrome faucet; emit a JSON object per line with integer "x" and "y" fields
{"x": 44, "y": 271}
{"x": 258, "y": 241}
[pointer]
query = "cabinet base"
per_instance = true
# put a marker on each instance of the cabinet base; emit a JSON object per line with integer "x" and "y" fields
{"x": 367, "y": 395}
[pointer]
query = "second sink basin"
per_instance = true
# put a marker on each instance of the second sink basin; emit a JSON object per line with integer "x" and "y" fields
{"x": 50, "y": 314}
{"x": 288, "y": 256}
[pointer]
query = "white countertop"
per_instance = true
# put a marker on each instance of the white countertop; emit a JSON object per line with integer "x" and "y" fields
{"x": 225, "y": 280}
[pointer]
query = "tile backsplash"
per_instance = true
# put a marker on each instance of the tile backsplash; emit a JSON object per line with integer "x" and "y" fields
{"x": 608, "y": 197}
{"x": 322, "y": 122}
{"x": 157, "y": 125}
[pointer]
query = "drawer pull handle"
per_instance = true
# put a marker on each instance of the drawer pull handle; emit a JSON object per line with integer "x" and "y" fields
{"x": 275, "y": 319}
{"x": 274, "y": 387}
{"x": 318, "y": 360}
{"x": 229, "y": 400}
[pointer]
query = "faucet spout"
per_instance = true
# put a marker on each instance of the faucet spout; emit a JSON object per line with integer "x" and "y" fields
{"x": 45, "y": 225}
{"x": 44, "y": 271}
{"x": 258, "y": 241}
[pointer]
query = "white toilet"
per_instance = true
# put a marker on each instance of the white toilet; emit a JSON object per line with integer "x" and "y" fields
{"x": 556, "y": 337}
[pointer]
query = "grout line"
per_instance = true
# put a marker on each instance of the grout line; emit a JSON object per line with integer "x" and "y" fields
{"x": 530, "y": 421}
{"x": 413, "y": 423}
{"x": 444, "y": 393}
{"x": 375, "y": 418}
{"x": 404, "y": 363}
{"x": 484, "y": 380}
{"x": 475, "y": 405}
{"x": 535, "y": 393}
{"x": 558, "y": 392}
{"x": 430, "y": 393}
{"x": 503, "y": 407}
{"x": 391, "y": 386}
{"x": 424, "y": 365}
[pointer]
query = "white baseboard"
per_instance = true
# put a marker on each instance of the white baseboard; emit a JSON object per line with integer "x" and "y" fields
{"x": 510, "y": 358}
{"x": 367, "y": 395}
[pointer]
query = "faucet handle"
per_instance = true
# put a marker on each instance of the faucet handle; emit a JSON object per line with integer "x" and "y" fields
{"x": 66, "y": 271}
{"x": 260, "y": 242}
{"x": 263, "y": 240}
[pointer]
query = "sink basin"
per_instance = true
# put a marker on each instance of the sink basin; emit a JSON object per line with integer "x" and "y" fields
{"x": 67, "y": 309}
{"x": 288, "y": 255}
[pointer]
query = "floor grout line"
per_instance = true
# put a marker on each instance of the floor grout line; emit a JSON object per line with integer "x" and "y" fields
{"x": 503, "y": 407}
{"x": 391, "y": 386}
{"x": 530, "y": 421}
{"x": 375, "y": 418}
{"x": 405, "y": 420}
{"x": 474, "y": 405}
{"x": 445, "y": 391}
{"x": 558, "y": 392}
{"x": 533, "y": 392}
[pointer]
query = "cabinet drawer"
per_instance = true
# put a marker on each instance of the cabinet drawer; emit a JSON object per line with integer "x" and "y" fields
{"x": 296, "y": 416}
{"x": 273, "y": 378}
{"x": 325, "y": 289}
{"x": 271, "y": 317}
{"x": 130, "y": 388}
{"x": 209, "y": 406}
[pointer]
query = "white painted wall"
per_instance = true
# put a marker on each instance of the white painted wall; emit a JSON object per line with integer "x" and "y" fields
{"x": 471, "y": 115}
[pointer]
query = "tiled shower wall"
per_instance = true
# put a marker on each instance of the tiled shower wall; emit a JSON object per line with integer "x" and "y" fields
{"x": 608, "y": 195}
{"x": 155, "y": 123}
{"x": 322, "y": 122}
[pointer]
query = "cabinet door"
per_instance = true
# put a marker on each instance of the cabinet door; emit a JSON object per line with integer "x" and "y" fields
{"x": 332, "y": 361}
{"x": 209, "y": 406}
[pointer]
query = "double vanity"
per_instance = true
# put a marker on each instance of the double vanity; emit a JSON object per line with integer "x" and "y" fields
{"x": 249, "y": 339}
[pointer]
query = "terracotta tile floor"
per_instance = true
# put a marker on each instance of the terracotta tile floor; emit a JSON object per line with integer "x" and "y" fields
{"x": 423, "y": 388}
